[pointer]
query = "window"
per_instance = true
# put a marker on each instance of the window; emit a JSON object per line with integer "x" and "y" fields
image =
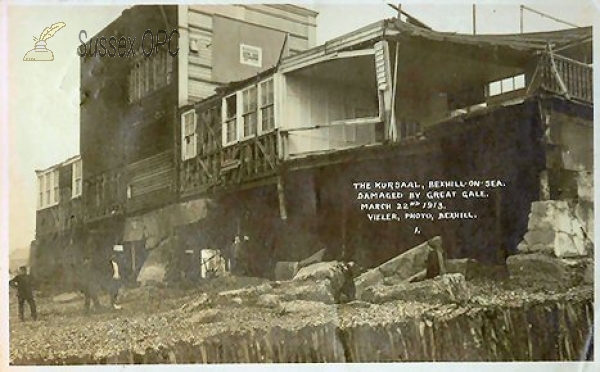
{"x": 506, "y": 85}
{"x": 48, "y": 192}
{"x": 55, "y": 186}
{"x": 230, "y": 115}
{"x": 77, "y": 177}
{"x": 267, "y": 105}
{"x": 41, "y": 187}
{"x": 249, "y": 112}
{"x": 149, "y": 74}
{"x": 188, "y": 135}
{"x": 250, "y": 108}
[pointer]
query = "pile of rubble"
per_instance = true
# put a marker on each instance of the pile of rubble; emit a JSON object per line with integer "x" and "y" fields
{"x": 323, "y": 311}
{"x": 558, "y": 248}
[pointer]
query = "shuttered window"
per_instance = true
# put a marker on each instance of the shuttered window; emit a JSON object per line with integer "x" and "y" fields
{"x": 48, "y": 193}
{"x": 77, "y": 179}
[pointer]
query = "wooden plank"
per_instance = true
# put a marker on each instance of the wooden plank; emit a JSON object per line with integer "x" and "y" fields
{"x": 198, "y": 72}
{"x": 198, "y": 19}
{"x": 206, "y": 170}
{"x": 267, "y": 155}
{"x": 284, "y": 14}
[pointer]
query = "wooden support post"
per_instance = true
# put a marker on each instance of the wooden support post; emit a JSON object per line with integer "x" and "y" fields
{"x": 501, "y": 249}
{"x": 281, "y": 196}
{"x": 344, "y": 221}
{"x": 393, "y": 127}
{"x": 133, "y": 266}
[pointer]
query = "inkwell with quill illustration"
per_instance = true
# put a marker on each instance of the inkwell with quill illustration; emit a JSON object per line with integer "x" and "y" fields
{"x": 40, "y": 52}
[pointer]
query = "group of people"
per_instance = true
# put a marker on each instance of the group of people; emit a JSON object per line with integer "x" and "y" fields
{"x": 90, "y": 282}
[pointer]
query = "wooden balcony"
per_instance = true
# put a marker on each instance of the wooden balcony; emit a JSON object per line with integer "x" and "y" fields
{"x": 216, "y": 168}
{"x": 566, "y": 76}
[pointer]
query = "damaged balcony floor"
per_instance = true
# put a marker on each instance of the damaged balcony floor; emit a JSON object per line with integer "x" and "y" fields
{"x": 159, "y": 319}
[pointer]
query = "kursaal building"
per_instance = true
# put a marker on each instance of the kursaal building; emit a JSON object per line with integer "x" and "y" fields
{"x": 253, "y": 135}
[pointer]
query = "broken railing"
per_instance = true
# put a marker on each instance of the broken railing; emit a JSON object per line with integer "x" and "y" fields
{"x": 566, "y": 76}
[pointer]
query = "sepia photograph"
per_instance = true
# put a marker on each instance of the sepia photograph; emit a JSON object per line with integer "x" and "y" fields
{"x": 317, "y": 182}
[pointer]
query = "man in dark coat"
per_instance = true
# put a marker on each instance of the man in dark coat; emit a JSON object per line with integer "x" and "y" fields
{"x": 89, "y": 280}
{"x": 22, "y": 283}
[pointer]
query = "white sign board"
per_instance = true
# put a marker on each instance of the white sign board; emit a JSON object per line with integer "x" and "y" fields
{"x": 250, "y": 55}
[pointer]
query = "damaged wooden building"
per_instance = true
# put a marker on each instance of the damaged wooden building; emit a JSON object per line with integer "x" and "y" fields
{"x": 257, "y": 164}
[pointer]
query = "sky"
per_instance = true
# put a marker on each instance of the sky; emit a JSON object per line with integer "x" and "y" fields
{"x": 41, "y": 108}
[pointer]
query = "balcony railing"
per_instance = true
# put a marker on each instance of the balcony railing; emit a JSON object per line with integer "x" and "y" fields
{"x": 566, "y": 76}
{"x": 250, "y": 160}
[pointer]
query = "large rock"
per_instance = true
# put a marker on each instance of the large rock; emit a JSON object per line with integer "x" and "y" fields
{"x": 367, "y": 279}
{"x": 545, "y": 270}
{"x": 448, "y": 288}
{"x": 154, "y": 268}
{"x": 67, "y": 297}
{"x": 315, "y": 258}
{"x": 556, "y": 228}
{"x": 319, "y": 291}
{"x": 426, "y": 260}
{"x": 329, "y": 282}
{"x": 472, "y": 269}
{"x": 285, "y": 270}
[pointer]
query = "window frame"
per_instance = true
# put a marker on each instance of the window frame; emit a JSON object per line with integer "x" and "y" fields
{"x": 230, "y": 119}
{"x": 268, "y": 105}
{"x": 48, "y": 189}
{"x": 190, "y": 133}
{"x": 249, "y": 110}
{"x": 506, "y": 85}
{"x": 236, "y": 123}
{"x": 77, "y": 191}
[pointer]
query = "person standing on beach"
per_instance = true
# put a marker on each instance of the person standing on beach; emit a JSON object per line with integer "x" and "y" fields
{"x": 22, "y": 283}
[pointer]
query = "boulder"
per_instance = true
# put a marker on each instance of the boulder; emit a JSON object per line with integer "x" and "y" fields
{"x": 286, "y": 270}
{"x": 408, "y": 263}
{"x": 367, "y": 279}
{"x": 556, "y": 227}
{"x": 472, "y": 269}
{"x": 315, "y": 258}
{"x": 334, "y": 272}
{"x": 245, "y": 296}
{"x": 205, "y": 316}
{"x": 320, "y": 291}
{"x": 545, "y": 270}
{"x": 67, "y": 297}
{"x": 448, "y": 288}
{"x": 328, "y": 282}
{"x": 426, "y": 260}
{"x": 269, "y": 301}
